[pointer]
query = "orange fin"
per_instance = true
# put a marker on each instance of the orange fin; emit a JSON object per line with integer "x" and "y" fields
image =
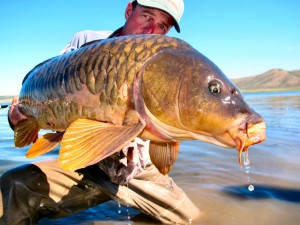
{"x": 26, "y": 132}
{"x": 44, "y": 144}
{"x": 87, "y": 142}
{"x": 163, "y": 155}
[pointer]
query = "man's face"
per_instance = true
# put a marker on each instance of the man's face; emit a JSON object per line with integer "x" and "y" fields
{"x": 143, "y": 20}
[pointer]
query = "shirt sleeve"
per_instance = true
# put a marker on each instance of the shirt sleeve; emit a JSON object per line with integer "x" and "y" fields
{"x": 83, "y": 37}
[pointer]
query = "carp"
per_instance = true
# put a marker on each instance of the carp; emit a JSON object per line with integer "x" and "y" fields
{"x": 102, "y": 96}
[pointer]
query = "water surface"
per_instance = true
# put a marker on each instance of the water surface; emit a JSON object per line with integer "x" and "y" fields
{"x": 211, "y": 175}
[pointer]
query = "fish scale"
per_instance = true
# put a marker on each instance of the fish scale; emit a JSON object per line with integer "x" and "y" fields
{"x": 103, "y": 95}
{"x": 102, "y": 67}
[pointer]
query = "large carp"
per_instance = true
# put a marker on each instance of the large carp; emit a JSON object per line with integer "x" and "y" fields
{"x": 101, "y": 96}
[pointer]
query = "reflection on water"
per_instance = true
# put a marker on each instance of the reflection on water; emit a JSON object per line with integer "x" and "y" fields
{"x": 212, "y": 177}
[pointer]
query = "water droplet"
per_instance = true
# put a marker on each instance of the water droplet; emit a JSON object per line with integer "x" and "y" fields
{"x": 246, "y": 161}
{"x": 170, "y": 185}
{"x": 119, "y": 205}
{"x": 251, "y": 187}
{"x": 128, "y": 217}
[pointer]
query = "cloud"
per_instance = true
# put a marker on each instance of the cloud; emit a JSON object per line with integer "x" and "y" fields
{"x": 289, "y": 48}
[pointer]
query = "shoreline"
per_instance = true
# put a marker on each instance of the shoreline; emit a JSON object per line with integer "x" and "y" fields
{"x": 270, "y": 90}
{"x": 6, "y": 98}
{"x": 9, "y": 98}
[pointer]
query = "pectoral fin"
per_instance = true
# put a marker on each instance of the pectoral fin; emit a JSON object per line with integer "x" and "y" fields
{"x": 25, "y": 132}
{"x": 44, "y": 144}
{"x": 163, "y": 155}
{"x": 87, "y": 142}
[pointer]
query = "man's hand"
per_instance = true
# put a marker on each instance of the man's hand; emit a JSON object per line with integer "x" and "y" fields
{"x": 14, "y": 114}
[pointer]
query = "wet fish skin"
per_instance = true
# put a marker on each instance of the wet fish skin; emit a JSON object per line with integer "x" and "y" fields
{"x": 87, "y": 83}
{"x": 186, "y": 101}
{"x": 152, "y": 86}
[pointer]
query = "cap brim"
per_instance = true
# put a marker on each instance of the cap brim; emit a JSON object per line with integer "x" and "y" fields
{"x": 176, "y": 25}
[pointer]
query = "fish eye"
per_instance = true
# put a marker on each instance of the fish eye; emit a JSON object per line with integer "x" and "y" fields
{"x": 215, "y": 88}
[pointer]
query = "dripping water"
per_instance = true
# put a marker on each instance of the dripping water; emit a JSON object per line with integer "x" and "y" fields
{"x": 119, "y": 210}
{"x": 246, "y": 163}
{"x": 170, "y": 186}
{"x": 127, "y": 213}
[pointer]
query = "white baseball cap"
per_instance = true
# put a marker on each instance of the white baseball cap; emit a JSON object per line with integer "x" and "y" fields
{"x": 174, "y": 8}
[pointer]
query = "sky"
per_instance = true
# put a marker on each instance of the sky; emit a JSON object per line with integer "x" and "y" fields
{"x": 241, "y": 37}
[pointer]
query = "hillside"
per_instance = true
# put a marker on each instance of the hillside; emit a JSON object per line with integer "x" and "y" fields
{"x": 272, "y": 80}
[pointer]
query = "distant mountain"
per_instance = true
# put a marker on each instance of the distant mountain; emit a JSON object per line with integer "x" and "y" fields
{"x": 272, "y": 80}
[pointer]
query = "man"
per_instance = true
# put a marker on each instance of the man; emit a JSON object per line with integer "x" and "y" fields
{"x": 44, "y": 189}
{"x": 139, "y": 20}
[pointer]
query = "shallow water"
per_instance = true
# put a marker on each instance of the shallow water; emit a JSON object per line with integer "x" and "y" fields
{"x": 211, "y": 175}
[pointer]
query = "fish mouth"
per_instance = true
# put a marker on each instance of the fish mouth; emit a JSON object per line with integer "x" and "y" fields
{"x": 251, "y": 134}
